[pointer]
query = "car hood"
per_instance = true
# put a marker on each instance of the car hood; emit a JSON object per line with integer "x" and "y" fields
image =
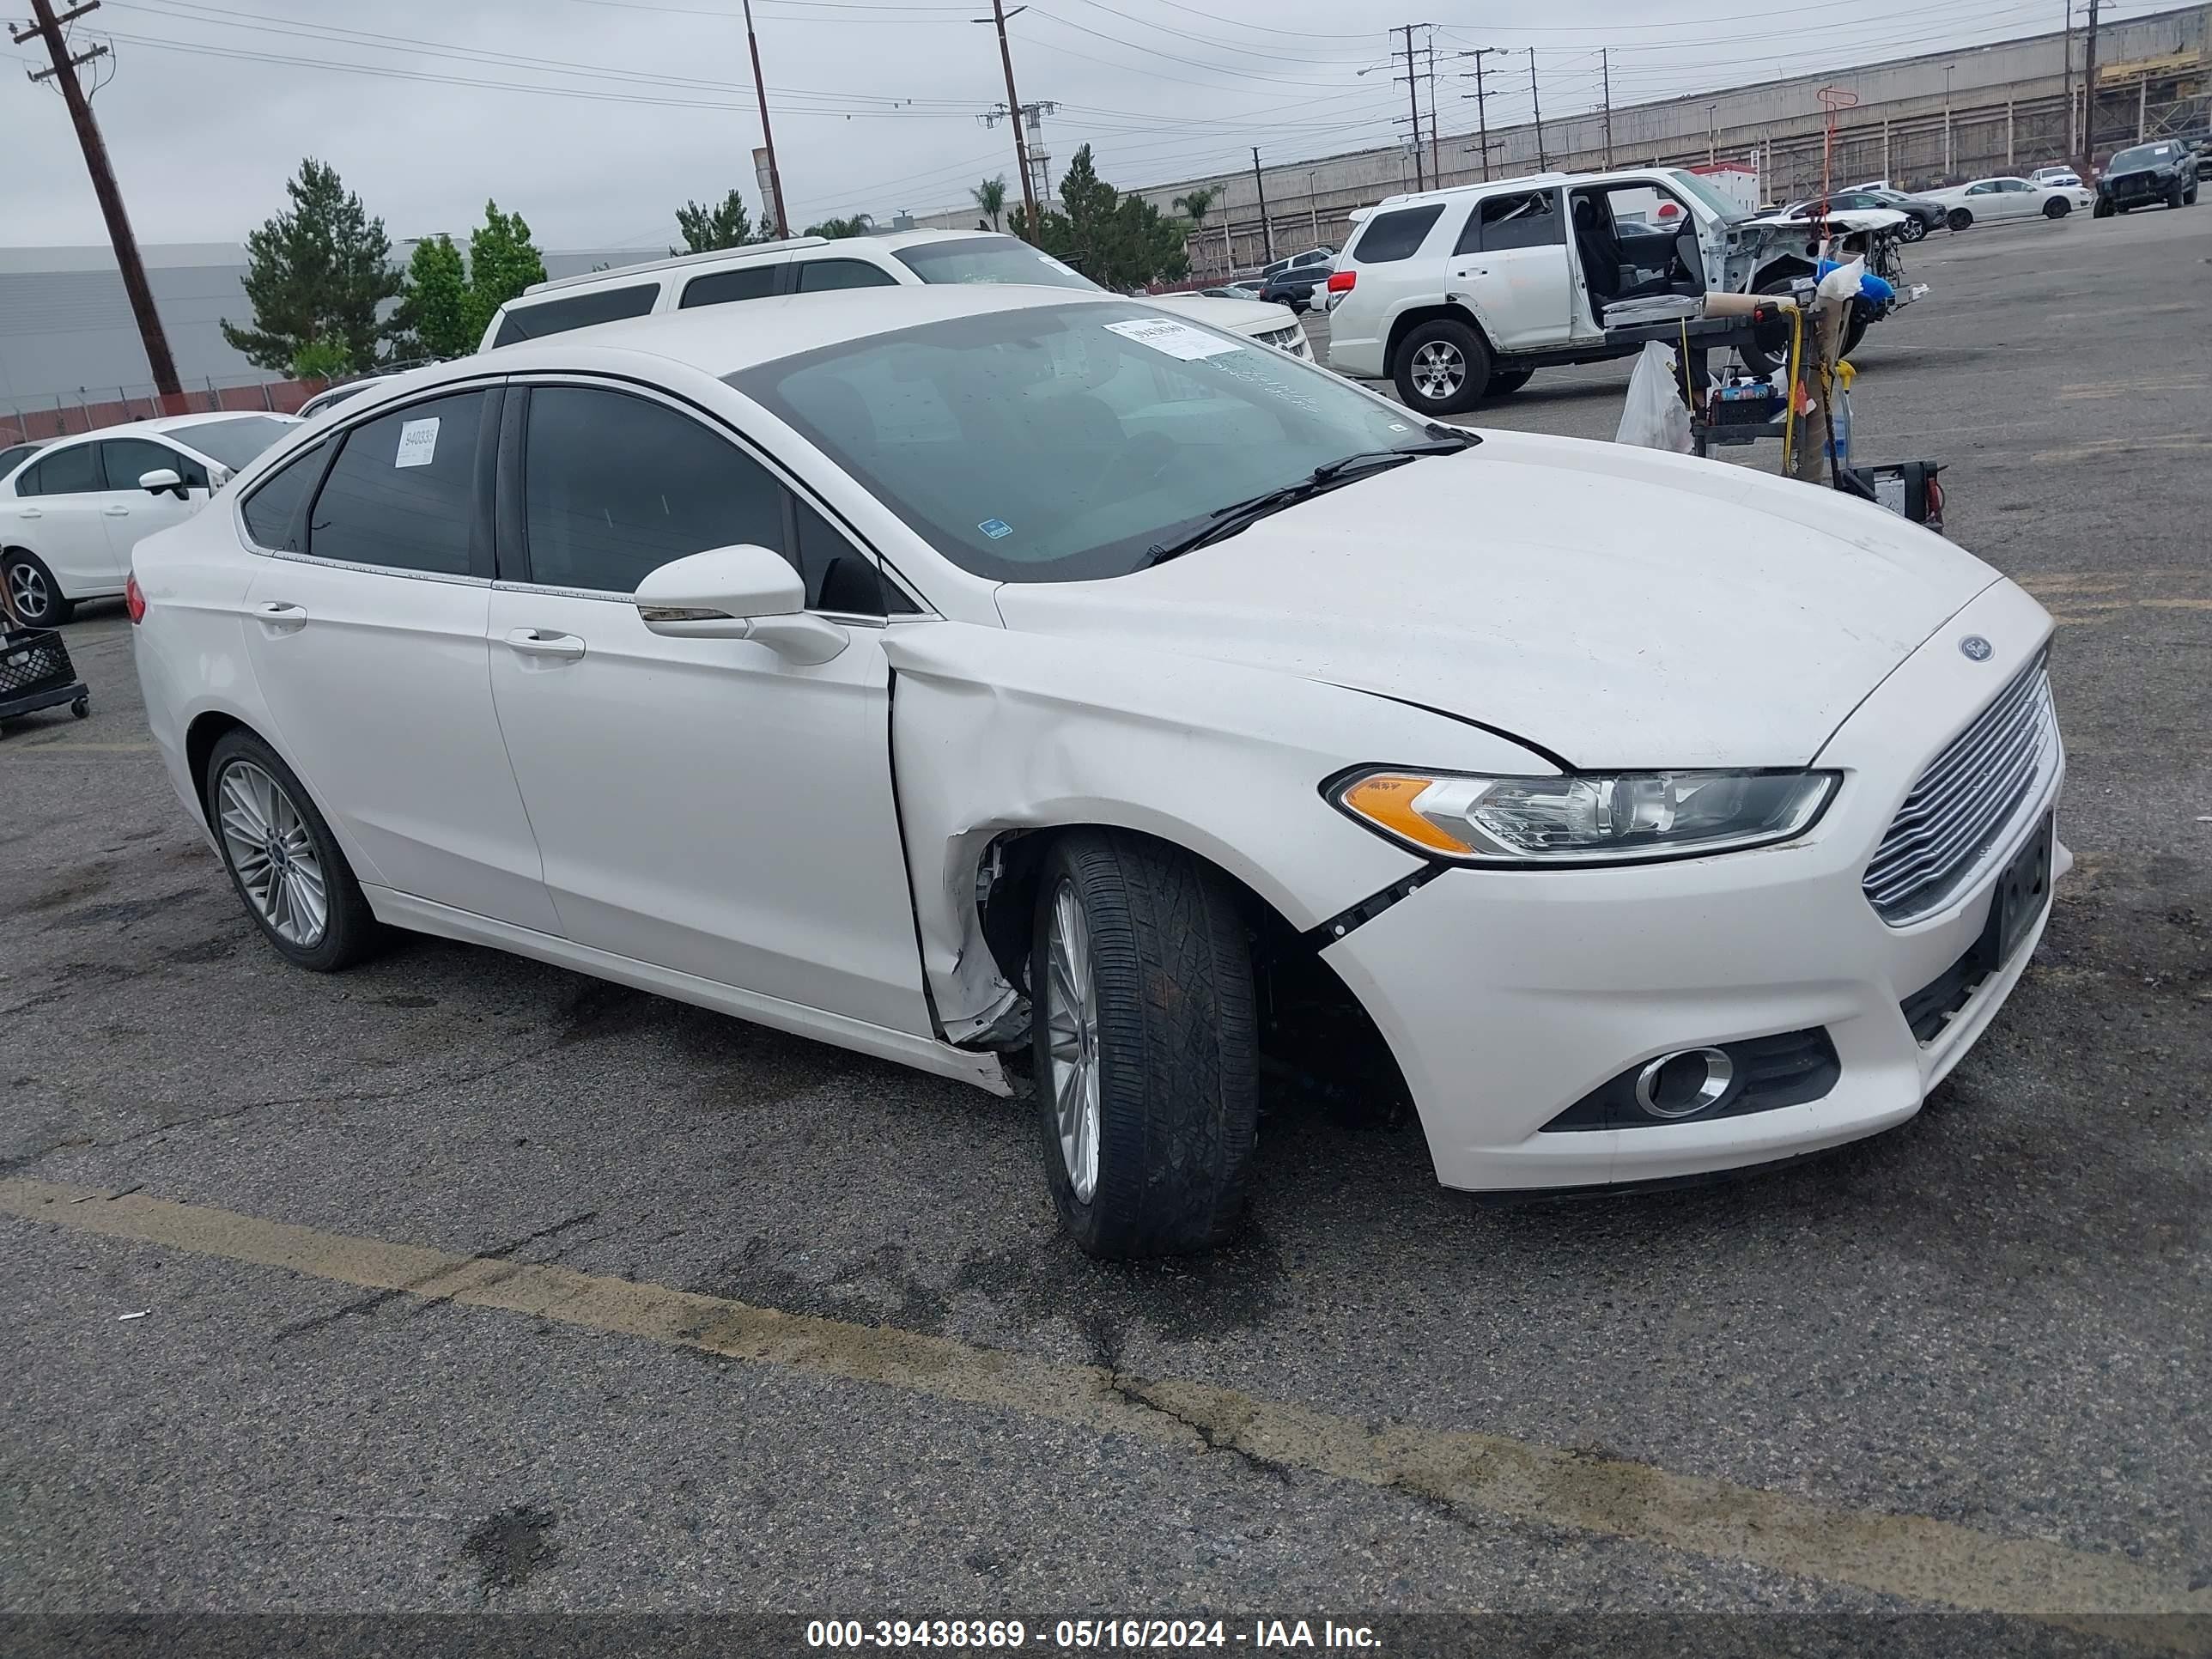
{"x": 1615, "y": 606}
{"x": 1233, "y": 316}
{"x": 1847, "y": 219}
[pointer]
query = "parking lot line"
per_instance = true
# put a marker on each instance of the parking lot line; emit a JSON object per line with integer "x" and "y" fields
{"x": 1912, "y": 1556}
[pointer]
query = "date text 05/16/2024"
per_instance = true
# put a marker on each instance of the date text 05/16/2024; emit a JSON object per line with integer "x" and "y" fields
{"x": 1075, "y": 1635}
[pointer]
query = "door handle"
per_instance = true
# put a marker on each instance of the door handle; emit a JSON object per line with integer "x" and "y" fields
{"x": 278, "y": 616}
{"x": 1472, "y": 271}
{"x": 542, "y": 642}
{"x": 115, "y": 510}
{"x": 31, "y": 513}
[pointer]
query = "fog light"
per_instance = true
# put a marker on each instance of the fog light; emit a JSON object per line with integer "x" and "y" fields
{"x": 1684, "y": 1083}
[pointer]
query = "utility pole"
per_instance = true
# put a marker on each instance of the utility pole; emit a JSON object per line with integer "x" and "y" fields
{"x": 1413, "y": 102}
{"x": 2087, "y": 161}
{"x": 999, "y": 15}
{"x": 1535, "y": 106}
{"x": 2066, "y": 80}
{"x": 1481, "y": 105}
{"x": 1605, "y": 69}
{"x": 64, "y": 75}
{"x": 768, "y": 138}
{"x": 1436, "y": 156}
{"x": 1260, "y": 185}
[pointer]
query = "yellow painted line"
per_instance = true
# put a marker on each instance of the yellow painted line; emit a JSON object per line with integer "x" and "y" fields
{"x": 1908, "y": 1556}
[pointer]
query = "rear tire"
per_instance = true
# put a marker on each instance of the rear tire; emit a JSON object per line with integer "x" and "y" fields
{"x": 38, "y": 597}
{"x": 1504, "y": 382}
{"x": 1959, "y": 218}
{"x": 1770, "y": 350}
{"x": 1146, "y": 1045}
{"x": 1442, "y": 367}
{"x": 2057, "y": 208}
{"x": 283, "y": 861}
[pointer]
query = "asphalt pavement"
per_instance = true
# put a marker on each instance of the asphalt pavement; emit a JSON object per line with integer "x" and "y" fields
{"x": 458, "y": 1282}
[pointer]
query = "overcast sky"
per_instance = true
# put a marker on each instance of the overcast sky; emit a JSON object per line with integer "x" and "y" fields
{"x": 633, "y": 105}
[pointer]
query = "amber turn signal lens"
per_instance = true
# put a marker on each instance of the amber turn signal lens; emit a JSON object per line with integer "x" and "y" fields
{"x": 1386, "y": 800}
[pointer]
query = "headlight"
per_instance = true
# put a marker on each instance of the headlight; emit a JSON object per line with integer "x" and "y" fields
{"x": 1584, "y": 817}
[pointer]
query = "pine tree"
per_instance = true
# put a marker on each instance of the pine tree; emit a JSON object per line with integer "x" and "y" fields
{"x": 706, "y": 229}
{"x": 1118, "y": 242}
{"x": 436, "y": 318}
{"x": 502, "y": 262}
{"x": 316, "y": 274}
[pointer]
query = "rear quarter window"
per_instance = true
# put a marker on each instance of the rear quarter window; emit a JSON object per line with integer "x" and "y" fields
{"x": 543, "y": 317}
{"x": 1395, "y": 236}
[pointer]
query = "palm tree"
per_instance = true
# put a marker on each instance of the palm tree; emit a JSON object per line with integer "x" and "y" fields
{"x": 1195, "y": 206}
{"x": 991, "y": 197}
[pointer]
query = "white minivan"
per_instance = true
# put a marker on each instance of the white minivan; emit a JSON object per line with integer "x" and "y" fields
{"x": 1456, "y": 293}
{"x": 811, "y": 264}
{"x": 74, "y": 509}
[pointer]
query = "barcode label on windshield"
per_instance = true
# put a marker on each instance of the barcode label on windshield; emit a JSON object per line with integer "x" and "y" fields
{"x": 1176, "y": 339}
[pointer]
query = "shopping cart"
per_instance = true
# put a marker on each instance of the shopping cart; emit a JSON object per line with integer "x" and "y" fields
{"x": 36, "y": 673}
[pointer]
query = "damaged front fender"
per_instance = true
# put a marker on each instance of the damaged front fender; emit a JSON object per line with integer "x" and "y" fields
{"x": 995, "y": 731}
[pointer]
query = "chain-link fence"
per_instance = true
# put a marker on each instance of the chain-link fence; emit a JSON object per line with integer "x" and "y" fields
{"x": 88, "y": 409}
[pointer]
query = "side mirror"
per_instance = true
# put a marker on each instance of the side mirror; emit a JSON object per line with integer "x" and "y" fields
{"x": 742, "y": 593}
{"x": 161, "y": 480}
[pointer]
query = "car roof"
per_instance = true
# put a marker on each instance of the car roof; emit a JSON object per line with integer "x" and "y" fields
{"x": 721, "y": 258}
{"x": 720, "y": 340}
{"x": 179, "y": 424}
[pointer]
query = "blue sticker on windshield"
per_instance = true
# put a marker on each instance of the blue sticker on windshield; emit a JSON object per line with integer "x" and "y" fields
{"x": 995, "y": 528}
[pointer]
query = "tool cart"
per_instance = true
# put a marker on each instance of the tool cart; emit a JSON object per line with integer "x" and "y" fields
{"x": 36, "y": 673}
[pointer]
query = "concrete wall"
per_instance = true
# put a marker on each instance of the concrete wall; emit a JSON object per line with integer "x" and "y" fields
{"x": 2008, "y": 112}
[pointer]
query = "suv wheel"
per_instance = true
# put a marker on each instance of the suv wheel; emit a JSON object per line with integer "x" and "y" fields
{"x": 1146, "y": 1045}
{"x": 1913, "y": 229}
{"x": 2103, "y": 209}
{"x": 1443, "y": 368}
{"x": 32, "y": 591}
{"x": 2173, "y": 195}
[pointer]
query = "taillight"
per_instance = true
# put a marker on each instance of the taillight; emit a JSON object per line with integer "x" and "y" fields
{"x": 134, "y": 599}
{"x": 1341, "y": 282}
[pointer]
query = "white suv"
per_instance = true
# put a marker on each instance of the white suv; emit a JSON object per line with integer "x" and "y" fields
{"x": 1455, "y": 293}
{"x": 805, "y": 264}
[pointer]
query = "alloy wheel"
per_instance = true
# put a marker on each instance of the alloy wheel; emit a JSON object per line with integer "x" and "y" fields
{"x": 1439, "y": 370}
{"x": 273, "y": 854}
{"x": 28, "y": 588}
{"x": 1070, "y": 1014}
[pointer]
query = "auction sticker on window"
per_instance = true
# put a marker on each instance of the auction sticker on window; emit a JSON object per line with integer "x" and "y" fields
{"x": 418, "y": 442}
{"x": 1176, "y": 339}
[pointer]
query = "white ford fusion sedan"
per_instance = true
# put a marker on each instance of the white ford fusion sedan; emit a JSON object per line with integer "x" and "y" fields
{"x": 954, "y": 673}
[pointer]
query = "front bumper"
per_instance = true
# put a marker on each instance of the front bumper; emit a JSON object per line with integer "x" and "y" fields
{"x": 2137, "y": 189}
{"x": 1506, "y": 996}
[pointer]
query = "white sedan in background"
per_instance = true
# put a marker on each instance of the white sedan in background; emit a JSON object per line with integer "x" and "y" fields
{"x": 1989, "y": 200}
{"x": 980, "y": 676}
{"x": 72, "y": 513}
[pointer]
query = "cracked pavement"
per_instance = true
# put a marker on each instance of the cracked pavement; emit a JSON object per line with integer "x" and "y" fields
{"x": 1992, "y": 1317}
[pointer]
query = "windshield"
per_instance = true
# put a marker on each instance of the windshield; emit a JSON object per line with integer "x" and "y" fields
{"x": 1714, "y": 201}
{"x": 233, "y": 442}
{"x": 2145, "y": 155}
{"x": 990, "y": 260}
{"x": 1063, "y": 442}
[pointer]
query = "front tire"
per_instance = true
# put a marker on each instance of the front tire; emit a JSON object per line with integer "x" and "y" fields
{"x": 1959, "y": 219}
{"x": 1913, "y": 230}
{"x": 2057, "y": 208}
{"x": 286, "y": 867}
{"x": 38, "y": 599}
{"x": 2102, "y": 210}
{"x": 1443, "y": 368}
{"x": 2173, "y": 195}
{"x": 1146, "y": 1045}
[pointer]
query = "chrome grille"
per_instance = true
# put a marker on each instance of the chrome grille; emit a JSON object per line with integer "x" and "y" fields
{"x": 1283, "y": 339}
{"x": 1963, "y": 801}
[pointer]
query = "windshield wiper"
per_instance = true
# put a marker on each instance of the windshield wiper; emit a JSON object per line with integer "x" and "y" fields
{"x": 1225, "y": 521}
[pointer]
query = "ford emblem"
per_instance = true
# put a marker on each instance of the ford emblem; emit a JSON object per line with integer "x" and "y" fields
{"x": 1977, "y": 648}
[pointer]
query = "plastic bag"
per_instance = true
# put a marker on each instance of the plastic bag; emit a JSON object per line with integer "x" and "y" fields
{"x": 1655, "y": 415}
{"x": 1843, "y": 281}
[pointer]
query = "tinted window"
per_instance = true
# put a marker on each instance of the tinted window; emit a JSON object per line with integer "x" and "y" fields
{"x": 614, "y": 487}
{"x": 720, "y": 287}
{"x": 403, "y": 491}
{"x": 2144, "y": 156}
{"x": 233, "y": 442}
{"x": 1395, "y": 236}
{"x": 14, "y": 455}
{"x": 989, "y": 259}
{"x": 816, "y": 275}
{"x": 272, "y": 511}
{"x": 1507, "y": 222}
{"x": 2015, "y": 183}
{"x": 129, "y": 459}
{"x": 73, "y": 472}
{"x": 543, "y": 317}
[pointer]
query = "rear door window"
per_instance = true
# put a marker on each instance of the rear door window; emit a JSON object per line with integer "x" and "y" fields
{"x": 1508, "y": 222}
{"x": 404, "y": 492}
{"x": 817, "y": 275}
{"x": 543, "y": 317}
{"x": 719, "y": 288}
{"x": 1396, "y": 236}
{"x": 272, "y": 511}
{"x": 71, "y": 471}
